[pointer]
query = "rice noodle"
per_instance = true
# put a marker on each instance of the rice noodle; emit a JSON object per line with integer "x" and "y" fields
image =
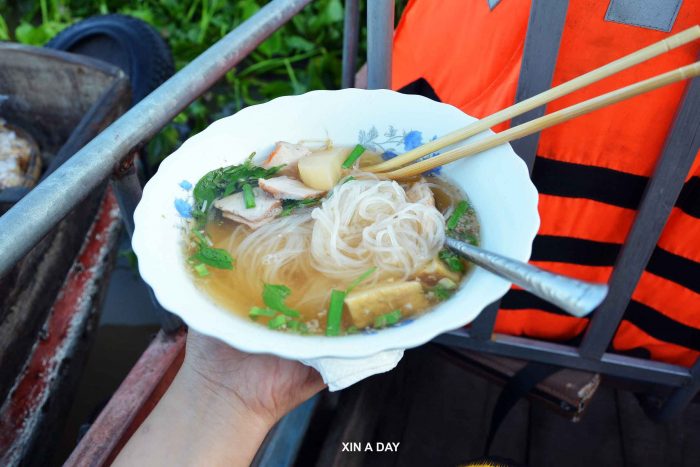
{"x": 363, "y": 223}
{"x": 368, "y": 223}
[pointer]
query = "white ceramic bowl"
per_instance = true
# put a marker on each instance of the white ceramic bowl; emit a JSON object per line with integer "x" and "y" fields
{"x": 496, "y": 182}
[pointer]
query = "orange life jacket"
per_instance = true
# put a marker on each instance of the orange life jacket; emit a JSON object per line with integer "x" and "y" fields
{"x": 590, "y": 171}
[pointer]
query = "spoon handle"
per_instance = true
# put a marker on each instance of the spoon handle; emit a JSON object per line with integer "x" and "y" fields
{"x": 576, "y": 297}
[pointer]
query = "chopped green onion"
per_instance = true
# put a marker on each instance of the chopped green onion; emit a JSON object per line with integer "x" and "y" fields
{"x": 393, "y": 317}
{"x": 297, "y": 326}
{"x": 354, "y": 155}
{"x": 201, "y": 270}
{"x": 351, "y": 330}
{"x": 335, "y": 312}
{"x": 451, "y": 260}
{"x": 441, "y": 292}
{"x": 256, "y": 311}
{"x": 471, "y": 239}
{"x": 459, "y": 211}
{"x": 201, "y": 237}
{"x": 380, "y": 321}
{"x": 248, "y": 196}
{"x": 347, "y": 179}
{"x": 360, "y": 279}
{"x": 387, "y": 319}
{"x": 277, "y": 322}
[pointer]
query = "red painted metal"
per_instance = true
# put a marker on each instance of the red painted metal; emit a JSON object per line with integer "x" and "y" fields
{"x": 132, "y": 402}
{"x": 22, "y": 412}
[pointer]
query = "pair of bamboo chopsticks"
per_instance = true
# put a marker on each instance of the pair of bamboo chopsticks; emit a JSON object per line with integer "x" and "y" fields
{"x": 393, "y": 168}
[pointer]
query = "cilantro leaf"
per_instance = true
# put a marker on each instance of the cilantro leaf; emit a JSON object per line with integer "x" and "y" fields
{"x": 274, "y": 297}
{"x": 225, "y": 181}
{"x": 206, "y": 254}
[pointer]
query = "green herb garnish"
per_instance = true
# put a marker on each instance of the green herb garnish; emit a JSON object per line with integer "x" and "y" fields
{"x": 459, "y": 211}
{"x": 297, "y": 326}
{"x": 354, "y": 155}
{"x": 274, "y": 297}
{"x": 248, "y": 196}
{"x": 352, "y": 330}
{"x": 256, "y": 312}
{"x": 469, "y": 238}
{"x": 201, "y": 270}
{"x": 387, "y": 319}
{"x": 289, "y": 205}
{"x": 360, "y": 279}
{"x": 335, "y": 312}
{"x": 224, "y": 181}
{"x": 451, "y": 260}
{"x": 277, "y": 322}
{"x": 442, "y": 292}
{"x": 214, "y": 257}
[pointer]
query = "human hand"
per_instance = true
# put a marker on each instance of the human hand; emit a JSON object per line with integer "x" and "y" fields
{"x": 219, "y": 407}
{"x": 267, "y": 385}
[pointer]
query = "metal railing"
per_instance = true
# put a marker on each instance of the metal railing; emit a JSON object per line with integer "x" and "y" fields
{"x": 30, "y": 219}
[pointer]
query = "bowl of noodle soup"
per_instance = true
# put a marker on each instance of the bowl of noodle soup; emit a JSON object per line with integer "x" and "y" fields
{"x": 311, "y": 249}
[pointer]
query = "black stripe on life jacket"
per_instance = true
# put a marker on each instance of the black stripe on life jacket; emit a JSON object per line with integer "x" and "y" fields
{"x": 420, "y": 87}
{"x": 689, "y": 199}
{"x": 661, "y": 327}
{"x": 605, "y": 185}
{"x": 585, "y": 181}
{"x": 646, "y": 318}
{"x": 662, "y": 263}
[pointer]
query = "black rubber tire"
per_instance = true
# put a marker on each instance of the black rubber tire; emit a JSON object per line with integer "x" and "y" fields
{"x": 126, "y": 42}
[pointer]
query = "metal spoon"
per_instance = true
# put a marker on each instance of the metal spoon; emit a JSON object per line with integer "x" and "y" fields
{"x": 574, "y": 296}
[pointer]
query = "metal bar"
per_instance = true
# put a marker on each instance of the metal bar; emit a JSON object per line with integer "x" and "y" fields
{"x": 567, "y": 356}
{"x": 482, "y": 327}
{"x": 30, "y": 219}
{"x": 659, "y": 196}
{"x": 681, "y": 397}
{"x": 540, "y": 53}
{"x": 127, "y": 189}
{"x": 351, "y": 29}
{"x": 380, "y": 34}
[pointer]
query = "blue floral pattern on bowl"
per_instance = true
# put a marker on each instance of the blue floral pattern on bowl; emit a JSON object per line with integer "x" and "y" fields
{"x": 184, "y": 206}
{"x": 394, "y": 142}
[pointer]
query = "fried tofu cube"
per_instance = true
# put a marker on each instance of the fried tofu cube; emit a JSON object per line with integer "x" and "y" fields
{"x": 365, "y": 305}
{"x": 435, "y": 270}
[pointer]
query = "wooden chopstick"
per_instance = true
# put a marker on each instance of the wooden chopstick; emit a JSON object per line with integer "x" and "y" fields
{"x": 661, "y": 47}
{"x": 688, "y": 71}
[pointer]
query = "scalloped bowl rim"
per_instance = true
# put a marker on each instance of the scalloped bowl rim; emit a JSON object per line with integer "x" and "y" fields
{"x": 157, "y": 228}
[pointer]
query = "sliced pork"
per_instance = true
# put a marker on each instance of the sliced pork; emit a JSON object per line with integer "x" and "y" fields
{"x": 288, "y": 188}
{"x": 266, "y": 208}
{"x": 287, "y": 154}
